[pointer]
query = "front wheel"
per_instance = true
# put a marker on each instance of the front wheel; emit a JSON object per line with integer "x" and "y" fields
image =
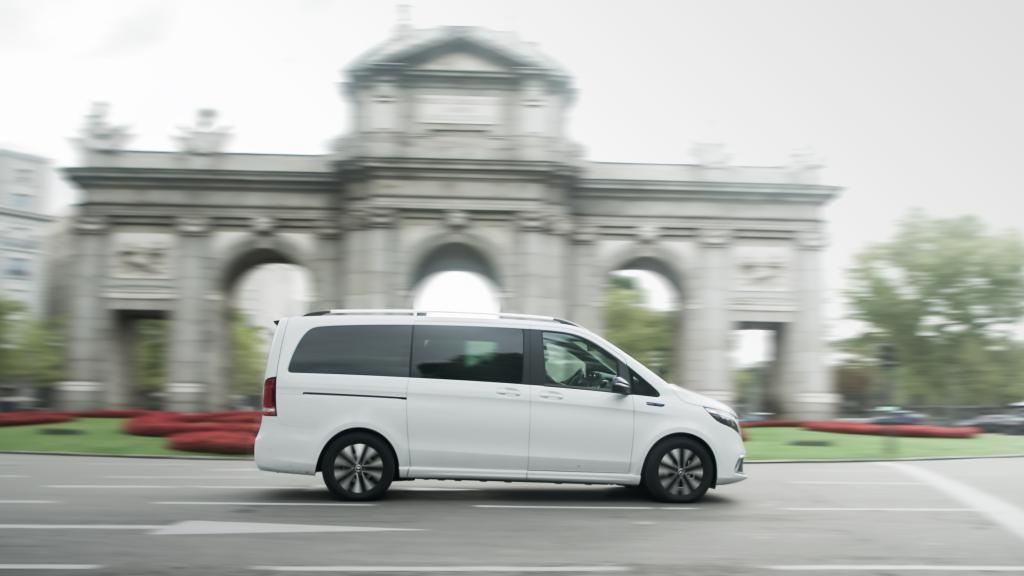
{"x": 358, "y": 466}
{"x": 678, "y": 470}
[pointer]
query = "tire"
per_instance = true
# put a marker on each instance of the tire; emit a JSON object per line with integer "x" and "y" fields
{"x": 678, "y": 470}
{"x": 358, "y": 466}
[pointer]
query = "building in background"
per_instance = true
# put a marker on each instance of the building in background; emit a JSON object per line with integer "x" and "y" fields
{"x": 24, "y": 225}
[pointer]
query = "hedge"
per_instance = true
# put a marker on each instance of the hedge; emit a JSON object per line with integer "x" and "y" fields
{"x": 217, "y": 442}
{"x": 893, "y": 429}
{"x": 27, "y": 418}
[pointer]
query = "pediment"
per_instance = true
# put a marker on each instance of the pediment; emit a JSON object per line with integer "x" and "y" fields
{"x": 456, "y": 48}
{"x": 461, "y": 60}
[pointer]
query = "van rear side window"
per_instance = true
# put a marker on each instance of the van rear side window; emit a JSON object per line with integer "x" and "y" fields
{"x": 356, "y": 350}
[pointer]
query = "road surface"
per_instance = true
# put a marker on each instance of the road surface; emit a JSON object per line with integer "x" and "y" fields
{"x": 77, "y": 515}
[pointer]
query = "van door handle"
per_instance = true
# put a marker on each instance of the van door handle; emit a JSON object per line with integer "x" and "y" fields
{"x": 510, "y": 392}
{"x": 551, "y": 395}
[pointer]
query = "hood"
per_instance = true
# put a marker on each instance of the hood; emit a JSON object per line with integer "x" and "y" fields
{"x": 691, "y": 397}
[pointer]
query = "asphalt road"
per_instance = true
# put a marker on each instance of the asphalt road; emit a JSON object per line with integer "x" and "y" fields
{"x": 143, "y": 516}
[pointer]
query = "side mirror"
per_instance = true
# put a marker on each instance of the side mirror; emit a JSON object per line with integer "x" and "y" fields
{"x": 620, "y": 385}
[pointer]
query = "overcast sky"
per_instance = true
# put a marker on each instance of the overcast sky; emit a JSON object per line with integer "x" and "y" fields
{"x": 911, "y": 103}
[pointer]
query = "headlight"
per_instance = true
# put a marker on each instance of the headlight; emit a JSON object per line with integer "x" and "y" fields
{"x": 724, "y": 418}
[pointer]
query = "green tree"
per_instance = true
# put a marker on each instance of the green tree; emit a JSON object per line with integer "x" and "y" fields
{"x": 248, "y": 356}
{"x": 947, "y": 294}
{"x": 151, "y": 342}
{"x": 40, "y": 353}
{"x": 10, "y": 324}
{"x": 647, "y": 335}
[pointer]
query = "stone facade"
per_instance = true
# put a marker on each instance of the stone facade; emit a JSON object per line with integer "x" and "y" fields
{"x": 458, "y": 158}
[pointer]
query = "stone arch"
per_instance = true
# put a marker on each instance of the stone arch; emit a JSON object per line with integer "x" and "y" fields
{"x": 657, "y": 258}
{"x": 254, "y": 250}
{"x": 652, "y": 257}
{"x": 456, "y": 251}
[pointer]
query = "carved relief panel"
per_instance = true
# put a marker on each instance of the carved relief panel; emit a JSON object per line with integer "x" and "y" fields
{"x": 142, "y": 255}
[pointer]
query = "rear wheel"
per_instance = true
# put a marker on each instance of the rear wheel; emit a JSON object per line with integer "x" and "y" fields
{"x": 678, "y": 470}
{"x": 358, "y": 466}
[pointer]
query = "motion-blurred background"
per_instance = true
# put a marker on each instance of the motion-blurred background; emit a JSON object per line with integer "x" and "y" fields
{"x": 809, "y": 210}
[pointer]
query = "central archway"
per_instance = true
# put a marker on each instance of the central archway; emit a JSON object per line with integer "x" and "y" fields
{"x": 455, "y": 277}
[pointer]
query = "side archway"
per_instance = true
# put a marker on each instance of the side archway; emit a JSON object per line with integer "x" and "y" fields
{"x": 259, "y": 278}
{"x": 644, "y": 291}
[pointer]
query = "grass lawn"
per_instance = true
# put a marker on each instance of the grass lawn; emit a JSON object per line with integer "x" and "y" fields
{"x": 103, "y": 436}
{"x": 100, "y": 436}
{"x": 775, "y": 444}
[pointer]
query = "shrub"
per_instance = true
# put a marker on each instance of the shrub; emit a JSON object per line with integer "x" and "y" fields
{"x": 893, "y": 429}
{"x": 27, "y": 418}
{"x": 216, "y": 442}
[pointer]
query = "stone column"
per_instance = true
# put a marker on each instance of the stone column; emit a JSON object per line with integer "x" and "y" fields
{"x": 586, "y": 281}
{"x": 187, "y": 388}
{"x": 89, "y": 345}
{"x": 705, "y": 362}
{"x": 326, "y": 269}
{"x": 803, "y": 372}
{"x": 541, "y": 264}
{"x": 379, "y": 256}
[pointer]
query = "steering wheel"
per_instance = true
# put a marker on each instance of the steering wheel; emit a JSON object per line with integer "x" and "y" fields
{"x": 576, "y": 380}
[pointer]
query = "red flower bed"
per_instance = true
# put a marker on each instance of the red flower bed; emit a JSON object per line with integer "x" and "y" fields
{"x": 893, "y": 429}
{"x": 771, "y": 423}
{"x": 169, "y": 423}
{"x": 163, "y": 426}
{"x": 238, "y": 417}
{"x": 217, "y": 442}
{"x": 27, "y": 418}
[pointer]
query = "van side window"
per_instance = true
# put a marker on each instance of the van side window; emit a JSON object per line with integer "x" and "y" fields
{"x": 362, "y": 350}
{"x": 641, "y": 387}
{"x": 573, "y": 362}
{"x": 468, "y": 353}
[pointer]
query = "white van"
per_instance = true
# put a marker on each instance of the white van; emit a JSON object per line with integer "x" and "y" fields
{"x": 371, "y": 396}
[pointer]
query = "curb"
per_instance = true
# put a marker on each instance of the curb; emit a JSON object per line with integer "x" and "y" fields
{"x": 146, "y": 456}
{"x": 855, "y": 460}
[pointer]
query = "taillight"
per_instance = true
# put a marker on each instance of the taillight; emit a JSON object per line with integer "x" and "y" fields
{"x": 270, "y": 397}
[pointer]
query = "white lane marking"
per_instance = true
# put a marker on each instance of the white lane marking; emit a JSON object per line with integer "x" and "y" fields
{"x": 253, "y": 469}
{"x": 13, "y": 475}
{"x": 996, "y": 509}
{"x": 855, "y": 482}
{"x": 893, "y": 568}
{"x": 560, "y": 507}
{"x": 163, "y": 477}
{"x": 28, "y": 501}
{"x": 50, "y": 566}
{"x": 222, "y": 503}
{"x": 80, "y": 526}
{"x": 172, "y": 487}
{"x": 441, "y": 568}
{"x": 430, "y": 489}
{"x": 197, "y": 527}
{"x": 825, "y": 509}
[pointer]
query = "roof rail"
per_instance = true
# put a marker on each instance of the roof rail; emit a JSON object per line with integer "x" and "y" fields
{"x": 400, "y": 312}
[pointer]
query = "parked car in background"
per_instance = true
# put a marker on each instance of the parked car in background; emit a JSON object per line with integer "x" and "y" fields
{"x": 1010, "y": 422}
{"x": 896, "y": 415}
